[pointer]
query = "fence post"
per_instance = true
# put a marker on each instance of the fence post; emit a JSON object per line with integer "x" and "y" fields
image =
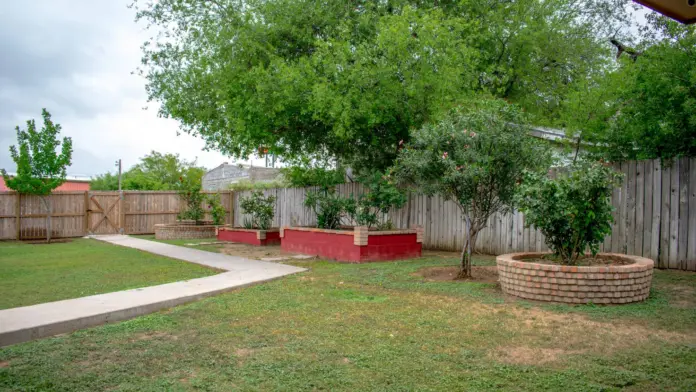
{"x": 18, "y": 211}
{"x": 86, "y": 217}
{"x": 231, "y": 208}
{"x": 121, "y": 212}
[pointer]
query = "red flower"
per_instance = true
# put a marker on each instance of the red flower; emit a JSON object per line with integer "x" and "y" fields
{"x": 444, "y": 156}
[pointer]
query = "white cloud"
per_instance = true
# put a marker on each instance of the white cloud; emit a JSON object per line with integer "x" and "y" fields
{"x": 76, "y": 58}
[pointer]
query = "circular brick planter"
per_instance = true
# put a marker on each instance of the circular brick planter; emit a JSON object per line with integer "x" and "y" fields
{"x": 184, "y": 231}
{"x": 616, "y": 284}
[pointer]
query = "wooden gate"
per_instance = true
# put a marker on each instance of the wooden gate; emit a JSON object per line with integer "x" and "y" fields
{"x": 105, "y": 213}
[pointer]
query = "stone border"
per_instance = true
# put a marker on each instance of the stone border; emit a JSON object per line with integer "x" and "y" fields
{"x": 617, "y": 284}
{"x": 180, "y": 232}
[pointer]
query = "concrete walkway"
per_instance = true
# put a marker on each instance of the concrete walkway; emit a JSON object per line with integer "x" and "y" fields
{"x": 37, "y": 321}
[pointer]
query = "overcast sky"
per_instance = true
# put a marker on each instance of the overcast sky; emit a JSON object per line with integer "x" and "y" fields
{"x": 75, "y": 57}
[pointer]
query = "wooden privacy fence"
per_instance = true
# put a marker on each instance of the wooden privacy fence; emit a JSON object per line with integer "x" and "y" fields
{"x": 76, "y": 214}
{"x": 654, "y": 217}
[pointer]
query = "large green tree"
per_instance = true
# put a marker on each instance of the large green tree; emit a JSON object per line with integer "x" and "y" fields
{"x": 645, "y": 107}
{"x": 350, "y": 79}
{"x": 40, "y": 168}
{"x": 154, "y": 172}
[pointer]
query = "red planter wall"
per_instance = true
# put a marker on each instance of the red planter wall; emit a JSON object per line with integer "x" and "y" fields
{"x": 343, "y": 245}
{"x": 251, "y": 237}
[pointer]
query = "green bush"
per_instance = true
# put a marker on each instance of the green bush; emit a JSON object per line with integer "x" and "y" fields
{"x": 329, "y": 208}
{"x": 261, "y": 210}
{"x": 381, "y": 196}
{"x": 573, "y": 211}
{"x": 192, "y": 198}
{"x": 306, "y": 174}
{"x": 216, "y": 209}
{"x": 246, "y": 185}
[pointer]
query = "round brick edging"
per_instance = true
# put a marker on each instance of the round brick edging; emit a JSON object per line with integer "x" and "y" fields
{"x": 616, "y": 284}
{"x": 184, "y": 231}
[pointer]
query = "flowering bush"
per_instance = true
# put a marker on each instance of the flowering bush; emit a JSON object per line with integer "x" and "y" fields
{"x": 261, "y": 210}
{"x": 573, "y": 211}
{"x": 216, "y": 209}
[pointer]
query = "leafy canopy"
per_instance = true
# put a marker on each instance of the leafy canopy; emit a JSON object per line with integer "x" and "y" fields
{"x": 645, "y": 108}
{"x": 154, "y": 172}
{"x": 349, "y": 80}
{"x": 40, "y": 168}
{"x": 574, "y": 210}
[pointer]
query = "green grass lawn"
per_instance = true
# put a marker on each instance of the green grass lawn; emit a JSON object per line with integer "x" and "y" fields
{"x": 32, "y": 274}
{"x": 343, "y": 327}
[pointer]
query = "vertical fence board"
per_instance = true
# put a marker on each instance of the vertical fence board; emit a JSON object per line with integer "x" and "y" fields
{"x": 683, "y": 220}
{"x": 691, "y": 241}
{"x": 674, "y": 216}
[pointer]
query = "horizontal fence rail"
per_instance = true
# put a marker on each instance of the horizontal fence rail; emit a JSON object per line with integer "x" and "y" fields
{"x": 654, "y": 215}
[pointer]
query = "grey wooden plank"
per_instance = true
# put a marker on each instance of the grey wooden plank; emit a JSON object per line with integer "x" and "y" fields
{"x": 647, "y": 206}
{"x": 674, "y": 216}
{"x": 656, "y": 210}
{"x": 639, "y": 209}
{"x": 664, "y": 216}
{"x": 623, "y": 210}
{"x": 630, "y": 216}
{"x": 683, "y": 231}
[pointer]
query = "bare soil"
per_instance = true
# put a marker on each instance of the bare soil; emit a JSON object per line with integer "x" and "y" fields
{"x": 255, "y": 252}
{"x": 449, "y": 274}
{"x": 586, "y": 261}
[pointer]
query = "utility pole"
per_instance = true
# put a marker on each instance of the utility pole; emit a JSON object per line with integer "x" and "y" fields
{"x": 118, "y": 163}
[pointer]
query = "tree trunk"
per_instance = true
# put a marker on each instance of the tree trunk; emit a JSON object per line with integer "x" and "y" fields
{"x": 49, "y": 212}
{"x": 469, "y": 242}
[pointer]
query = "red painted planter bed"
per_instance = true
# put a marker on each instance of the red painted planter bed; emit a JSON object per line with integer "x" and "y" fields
{"x": 249, "y": 236}
{"x": 356, "y": 246}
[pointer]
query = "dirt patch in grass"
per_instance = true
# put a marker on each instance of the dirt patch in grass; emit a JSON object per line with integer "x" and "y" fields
{"x": 4, "y": 364}
{"x": 244, "y": 352}
{"x": 254, "y": 252}
{"x": 524, "y": 355}
{"x": 447, "y": 274}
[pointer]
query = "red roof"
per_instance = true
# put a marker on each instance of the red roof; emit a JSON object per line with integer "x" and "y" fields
{"x": 70, "y": 185}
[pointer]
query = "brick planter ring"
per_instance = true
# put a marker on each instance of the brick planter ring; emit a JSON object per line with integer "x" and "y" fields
{"x": 616, "y": 284}
{"x": 180, "y": 232}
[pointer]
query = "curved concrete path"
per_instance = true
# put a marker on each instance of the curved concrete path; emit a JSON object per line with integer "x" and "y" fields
{"x": 37, "y": 321}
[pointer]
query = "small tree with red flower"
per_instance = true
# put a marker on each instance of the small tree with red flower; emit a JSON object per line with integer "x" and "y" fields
{"x": 475, "y": 157}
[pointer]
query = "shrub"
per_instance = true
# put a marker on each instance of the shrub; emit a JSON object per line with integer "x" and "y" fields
{"x": 247, "y": 185}
{"x": 329, "y": 208}
{"x": 305, "y": 174}
{"x": 192, "y": 198}
{"x": 573, "y": 211}
{"x": 381, "y": 196}
{"x": 261, "y": 210}
{"x": 216, "y": 209}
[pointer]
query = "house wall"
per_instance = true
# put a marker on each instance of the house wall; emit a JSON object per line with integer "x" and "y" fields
{"x": 66, "y": 186}
{"x": 222, "y": 176}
